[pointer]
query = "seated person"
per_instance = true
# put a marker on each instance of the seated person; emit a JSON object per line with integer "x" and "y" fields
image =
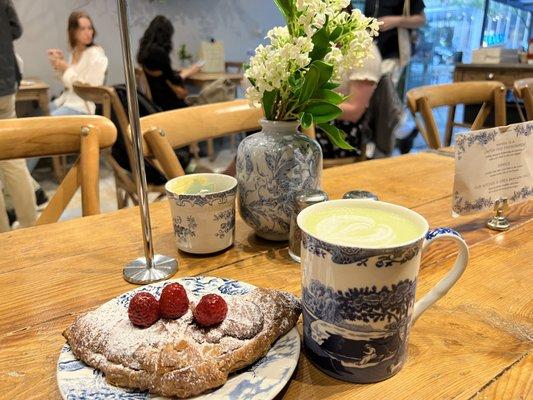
{"x": 359, "y": 84}
{"x": 87, "y": 64}
{"x": 166, "y": 85}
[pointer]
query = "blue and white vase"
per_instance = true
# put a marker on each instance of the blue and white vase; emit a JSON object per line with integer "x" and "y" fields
{"x": 272, "y": 165}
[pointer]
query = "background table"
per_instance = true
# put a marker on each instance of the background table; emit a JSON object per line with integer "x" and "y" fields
{"x": 475, "y": 343}
{"x": 202, "y": 79}
{"x": 505, "y": 73}
{"x": 34, "y": 89}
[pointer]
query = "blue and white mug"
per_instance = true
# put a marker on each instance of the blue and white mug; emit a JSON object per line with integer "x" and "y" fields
{"x": 359, "y": 303}
{"x": 203, "y": 211}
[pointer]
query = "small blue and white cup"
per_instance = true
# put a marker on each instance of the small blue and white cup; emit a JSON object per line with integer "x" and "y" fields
{"x": 359, "y": 303}
{"x": 203, "y": 211}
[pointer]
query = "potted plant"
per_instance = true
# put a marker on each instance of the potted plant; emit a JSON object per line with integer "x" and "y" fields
{"x": 293, "y": 78}
{"x": 184, "y": 56}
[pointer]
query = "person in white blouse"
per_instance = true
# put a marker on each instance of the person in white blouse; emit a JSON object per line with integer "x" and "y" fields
{"x": 87, "y": 63}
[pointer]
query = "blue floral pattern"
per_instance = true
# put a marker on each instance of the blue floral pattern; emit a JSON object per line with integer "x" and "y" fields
{"x": 462, "y": 206}
{"x": 360, "y": 257}
{"x": 184, "y": 231}
{"x": 365, "y": 304}
{"x": 271, "y": 168}
{"x": 433, "y": 233}
{"x": 263, "y": 380}
{"x": 200, "y": 201}
{"x": 227, "y": 224}
{"x": 522, "y": 194}
{"x": 481, "y": 137}
{"x": 524, "y": 129}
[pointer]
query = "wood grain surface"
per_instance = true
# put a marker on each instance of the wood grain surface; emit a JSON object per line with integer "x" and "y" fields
{"x": 475, "y": 343}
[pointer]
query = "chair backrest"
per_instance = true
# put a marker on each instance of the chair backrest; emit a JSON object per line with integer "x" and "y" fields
{"x": 177, "y": 128}
{"x": 48, "y": 136}
{"x": 423, "y": 99}
{"x": 523, "y": 89}
{"x": 142, "y": 82}
{"x": 107, "y": 97}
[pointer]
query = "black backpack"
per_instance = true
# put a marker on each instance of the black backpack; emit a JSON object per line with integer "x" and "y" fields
{"x": 119, "y": 152}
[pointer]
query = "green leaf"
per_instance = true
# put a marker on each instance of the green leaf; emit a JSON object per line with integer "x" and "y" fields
{"x": 328, "y": 95}
{"x": 310, "y": 83}
{"x": 326, "y": 70}
{"x": 293, "y": 81}
{"x": 330, "y": 85}
{"x": 323, "y": 112}
{"x": 335, "y": 34}
{"x": 269, "y": 97}
{"x": 336, "y": 136}
{"x": 306, "y": 120}
{"x": 285, "y": 7}
{"x": 321, "y": 45}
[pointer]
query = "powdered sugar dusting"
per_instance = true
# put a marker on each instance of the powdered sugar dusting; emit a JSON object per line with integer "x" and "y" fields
{"x": 109, "y": 332}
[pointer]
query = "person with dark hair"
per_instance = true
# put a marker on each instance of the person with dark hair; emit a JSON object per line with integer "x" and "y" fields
{"x": 166, "y": 85}
{"x": 87, "y": 64}
{"x": 390, "y": 14}
{"x": 14, "y": 174}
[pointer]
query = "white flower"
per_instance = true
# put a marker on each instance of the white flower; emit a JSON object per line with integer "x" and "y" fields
{"x": 288, "y": 53}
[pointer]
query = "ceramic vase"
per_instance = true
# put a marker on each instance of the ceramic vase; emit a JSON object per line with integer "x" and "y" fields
{"x": 273, "y": 165}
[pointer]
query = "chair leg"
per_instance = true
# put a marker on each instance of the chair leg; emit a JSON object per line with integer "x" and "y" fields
{"x": 59, "y": 166}
{"x": 211, "y": 150}
{"x": 121, "y": 200}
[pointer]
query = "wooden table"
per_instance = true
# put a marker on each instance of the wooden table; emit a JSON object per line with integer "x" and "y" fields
{"x": 202, "y": 79}
{"x": 475, "y": 343}
{"x": 505, "y": 73}
{"x": 34, "y": 89}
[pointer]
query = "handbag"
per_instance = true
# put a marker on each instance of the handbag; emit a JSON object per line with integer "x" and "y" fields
{"x": 218, "y": 91}
{"x": 404, "y": 37}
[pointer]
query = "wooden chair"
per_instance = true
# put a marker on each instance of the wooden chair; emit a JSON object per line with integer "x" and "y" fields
{"x": 107, "y": 97}
{"x": 523, "y": 89}
{"x": 164, "y": 131}
{"x": 142, "y": 82}
{"x": 47, "y": 136}
{"x": 423, "y": 99}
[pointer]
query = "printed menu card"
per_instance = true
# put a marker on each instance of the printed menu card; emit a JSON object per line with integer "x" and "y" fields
{"x": 493, "y": 164}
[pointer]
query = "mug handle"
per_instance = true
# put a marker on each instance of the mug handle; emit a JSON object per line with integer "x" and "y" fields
{"x": 441, "y": 288}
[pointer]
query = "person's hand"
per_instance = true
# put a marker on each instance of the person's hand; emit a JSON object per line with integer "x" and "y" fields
{"x": 55, "y": 54}
{"x": 195, "y": 68}
{"x": 60, "y": 65}
{"x": 389, "y": 22}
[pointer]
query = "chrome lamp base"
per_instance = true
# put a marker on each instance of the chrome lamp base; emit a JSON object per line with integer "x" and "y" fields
{"x": 139, "y": 273}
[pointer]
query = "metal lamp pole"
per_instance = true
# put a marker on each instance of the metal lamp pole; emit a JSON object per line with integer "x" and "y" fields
{"x": 150, "y": 268}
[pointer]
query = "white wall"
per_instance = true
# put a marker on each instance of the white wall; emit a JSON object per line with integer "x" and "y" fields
{"x": 240, "y": 24}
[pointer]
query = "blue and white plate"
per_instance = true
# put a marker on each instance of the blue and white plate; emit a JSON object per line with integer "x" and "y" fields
{"x": 261, "y": 381}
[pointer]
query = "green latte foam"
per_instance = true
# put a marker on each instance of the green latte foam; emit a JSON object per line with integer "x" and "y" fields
{"x": 361, "y": 226}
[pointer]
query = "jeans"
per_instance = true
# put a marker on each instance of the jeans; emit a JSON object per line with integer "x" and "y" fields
{"x": 16, "y": 178}
{"x": 57, "y": 111}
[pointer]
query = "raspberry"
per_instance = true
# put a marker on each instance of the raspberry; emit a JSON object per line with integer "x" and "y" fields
{"x": 211, "y": 310}
{"x": 173, "y": 302}
{"x": 143, "y": 310}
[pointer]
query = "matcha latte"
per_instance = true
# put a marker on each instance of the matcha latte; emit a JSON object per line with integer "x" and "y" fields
{"x": 362, "y": 226}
